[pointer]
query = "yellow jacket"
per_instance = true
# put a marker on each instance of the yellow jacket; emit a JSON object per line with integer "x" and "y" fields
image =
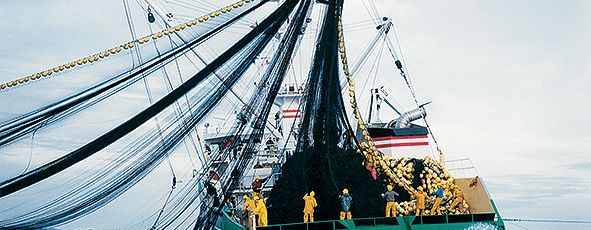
{"x": 261, "y": 208}
{"x": 310, "y": 204}
{"x": 458, "y": 193}
{"x": 420, "y": 196}
{"x": 248, "y": 204}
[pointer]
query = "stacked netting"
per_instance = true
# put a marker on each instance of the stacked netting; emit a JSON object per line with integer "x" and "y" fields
{"x": 325, "y": 161}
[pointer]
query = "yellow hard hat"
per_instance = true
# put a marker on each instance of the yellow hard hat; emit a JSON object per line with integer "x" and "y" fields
{"x": 256, "y": 177}
{"x": 345, "y": 190}
{"x": 312, "y": 193}
{"x": 389, "y": 187}
{"x": 245, "y": 197}
{"x": 420, "y": 188}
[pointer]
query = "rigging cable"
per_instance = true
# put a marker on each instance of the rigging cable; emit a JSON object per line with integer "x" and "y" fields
{"x": 20, "y": 182}
{"x": 409, "y": 84}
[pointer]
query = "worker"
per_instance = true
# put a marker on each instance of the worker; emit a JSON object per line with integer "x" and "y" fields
{"x": 458, "y": 199}
{"x": 420, "y": 199}
{"x": 391, "y": 199}
{"x": 247, "y": 209}
{"x": 257, "y": 186}
{"x": 438, "y": 199}
{"x": 248, "y": 204}
{"x": 261, "y": 211}
{"x": 309, "y": 207}
{"x": 346, "y": 201}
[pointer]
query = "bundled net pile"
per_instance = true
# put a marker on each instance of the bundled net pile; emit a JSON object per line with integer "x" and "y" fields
{"x": 328, "y": 159}
{"x": 407, "y": 175}
{"x": 327, "y": 174}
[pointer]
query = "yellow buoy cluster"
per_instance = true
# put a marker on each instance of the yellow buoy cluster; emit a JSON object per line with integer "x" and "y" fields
{"x": 432, "y": 177}
{"x": 96, "y": 57}
{"x": 367, "y": 145}
{"x": 400, "y": 172}
{"x": 373, "y": 158}
{"x": 409, "y": 207}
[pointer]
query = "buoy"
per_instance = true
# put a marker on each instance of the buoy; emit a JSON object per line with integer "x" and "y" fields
{"x": 217, "y": 13}
{"x": 212, "y": 15}
{"x": 235, "y": 5}
{"x": 200, "y": 19}
{"x": 194, "y": 22}
{"x": 131, "y": 44}
{"x": 206, "y": 17}
{"x": 177, "y": 28}
{"x": 171, "y": 30}
{"x": 79, "y": 62}
{"x": 21, "y": 80}
{"x": 9, "y": 84}
{"x": 228, "y": 8}
{"x": 183, "y": 26}
{"x": 154, "y": 36}
{"x": 240, "y": 3}
{"x": 56, "y": 69}
{"x": 3, "y": 86}
{"x": 146, "y": 39}
{"x": 223, "y": 10}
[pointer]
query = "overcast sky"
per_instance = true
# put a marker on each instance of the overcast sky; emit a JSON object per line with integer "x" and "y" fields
{"x": 509, "y": 81}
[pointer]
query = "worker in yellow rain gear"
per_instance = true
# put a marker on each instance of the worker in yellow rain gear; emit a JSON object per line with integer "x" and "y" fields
{"x": 420, "y": 198}
{"x": 247, "y": 210}
{"x": 248, "y": 204}
{"x": 438, "y": 199}
{"x": 391, "y": 199}
{"x": 261, "y": 211}
{"x": 309, "y": 207}
{"x": 458, "y": 199}
{"x": 346, "y": 201}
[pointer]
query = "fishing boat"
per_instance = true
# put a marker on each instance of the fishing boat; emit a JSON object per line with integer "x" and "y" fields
{"x": 238, "y": 114}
